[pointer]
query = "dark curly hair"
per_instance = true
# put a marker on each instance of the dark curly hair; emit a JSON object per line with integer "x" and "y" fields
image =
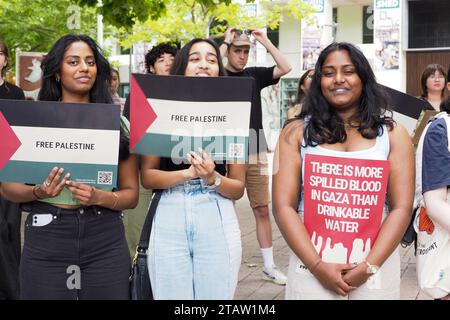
{"x": 324, "y": 125}
{"x": 156, "y": 52}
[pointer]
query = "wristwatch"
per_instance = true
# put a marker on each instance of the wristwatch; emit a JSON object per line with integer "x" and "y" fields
{"x": 216, "y": 184}
{"x": 371, "y": 268}
{"x": 227, "y": 44}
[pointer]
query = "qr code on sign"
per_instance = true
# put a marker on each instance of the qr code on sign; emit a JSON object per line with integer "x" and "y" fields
{"x": 104, "y": 177}
{"x": 236, "y": 150}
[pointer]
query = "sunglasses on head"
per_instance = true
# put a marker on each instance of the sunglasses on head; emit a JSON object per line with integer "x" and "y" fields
{"x": 247, "y": 32}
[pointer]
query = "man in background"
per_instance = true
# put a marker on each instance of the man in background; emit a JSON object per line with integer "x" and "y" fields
{"x": 236, "y": 48}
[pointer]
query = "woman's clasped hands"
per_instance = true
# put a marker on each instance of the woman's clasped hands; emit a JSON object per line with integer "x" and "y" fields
{"x": 202, "y": 166}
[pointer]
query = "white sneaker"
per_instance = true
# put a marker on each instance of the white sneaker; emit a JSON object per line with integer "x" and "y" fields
{"x": 275, "y": 275}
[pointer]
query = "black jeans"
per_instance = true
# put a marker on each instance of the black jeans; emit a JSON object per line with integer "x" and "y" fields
{"x": 10, "y": 216}
{"x": 74, "y": 254}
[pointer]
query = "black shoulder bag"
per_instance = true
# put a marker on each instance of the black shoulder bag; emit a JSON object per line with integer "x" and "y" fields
{"x": 140, "y": 286}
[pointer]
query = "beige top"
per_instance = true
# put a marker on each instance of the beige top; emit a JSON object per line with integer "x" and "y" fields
{"x": 294, "y": 111}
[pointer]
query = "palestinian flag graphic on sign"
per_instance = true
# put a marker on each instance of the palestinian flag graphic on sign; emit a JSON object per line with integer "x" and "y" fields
{"x": 172, "y": 115}
{"x": 406, "y": 109}
{"x": 36, "y": 136}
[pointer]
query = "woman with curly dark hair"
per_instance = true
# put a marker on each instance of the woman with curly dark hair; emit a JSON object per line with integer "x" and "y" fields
{"x": 160, "y": 58}
{"x": 345, "y": 115}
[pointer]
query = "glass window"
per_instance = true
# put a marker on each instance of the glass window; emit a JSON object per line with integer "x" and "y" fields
{"x": 429, "y": 24}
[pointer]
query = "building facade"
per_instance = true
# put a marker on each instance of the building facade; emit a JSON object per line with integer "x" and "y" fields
{"x": 398, "y": 37}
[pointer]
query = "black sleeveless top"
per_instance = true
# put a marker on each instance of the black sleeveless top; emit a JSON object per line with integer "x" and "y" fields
{"x": 167, "y": 164}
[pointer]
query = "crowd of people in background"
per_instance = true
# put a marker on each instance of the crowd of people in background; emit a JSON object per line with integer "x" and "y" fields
{"x": 195, "y": 246}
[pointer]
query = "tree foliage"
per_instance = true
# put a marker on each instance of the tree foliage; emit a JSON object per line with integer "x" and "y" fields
{"x": 187, "y": 19}
{"x": 36, "y": 25}
{"x": 125, "y": 13}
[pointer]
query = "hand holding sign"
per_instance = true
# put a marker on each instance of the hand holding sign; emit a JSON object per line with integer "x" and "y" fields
{"x": 204, "y": 166}
{"x": 36, "y": 136}
{"x": 84, "y": 193}
{"x": 171, "y": 115}
{"x": 52, "y": 186}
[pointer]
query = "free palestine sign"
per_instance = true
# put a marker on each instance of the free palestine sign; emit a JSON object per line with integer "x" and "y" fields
{"x": 172, "y": 115}
{"x": 36, "y": 136}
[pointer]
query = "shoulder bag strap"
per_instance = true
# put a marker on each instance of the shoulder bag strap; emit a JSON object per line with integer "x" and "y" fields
{"x": 147, "y": 228}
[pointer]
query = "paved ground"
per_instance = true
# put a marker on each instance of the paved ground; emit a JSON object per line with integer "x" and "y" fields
{"x": 251, "y": 285}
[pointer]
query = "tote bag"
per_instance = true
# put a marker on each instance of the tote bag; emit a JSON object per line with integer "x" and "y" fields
{"x": 433, "y": 257}
{"x": 433, "y": 242}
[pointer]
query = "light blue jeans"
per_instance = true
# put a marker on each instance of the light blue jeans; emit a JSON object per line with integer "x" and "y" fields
{"x": 195, "y": 245}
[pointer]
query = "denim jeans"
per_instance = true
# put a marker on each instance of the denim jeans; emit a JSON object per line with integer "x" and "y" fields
{"x": 195, "y": 245}
{"x": 76, "y": 254}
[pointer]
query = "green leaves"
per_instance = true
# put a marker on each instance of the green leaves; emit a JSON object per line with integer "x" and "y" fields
{"x": 125, "y": 13}
{"x": 183, "y": 20}
{"x": 36, "y": 25}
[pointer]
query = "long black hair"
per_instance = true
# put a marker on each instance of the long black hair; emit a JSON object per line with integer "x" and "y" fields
{"x": 182, "y": 58}
{"x": 324, "y": 125}
{"x": 51, "y": 67}
{"x": 99, "y": 93}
